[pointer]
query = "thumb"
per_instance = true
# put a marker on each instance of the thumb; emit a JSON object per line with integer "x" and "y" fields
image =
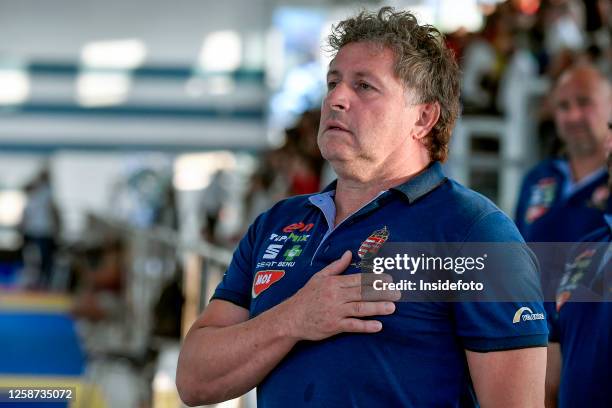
{"x": 339, "y": 265}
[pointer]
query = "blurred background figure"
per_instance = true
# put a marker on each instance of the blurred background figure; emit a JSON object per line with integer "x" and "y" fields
{"x": 211, "y": 206}
{"x": 578, "y": 178}
{"x": 581, "y": 321}
{"x": 292, "y": 169}
{"x": 565, "y": 197}
{"x": 40, "y": 227}
{"x": 485, "y": 59}
{"x": 303, "y": 156}
{"x": 100, "y": 274}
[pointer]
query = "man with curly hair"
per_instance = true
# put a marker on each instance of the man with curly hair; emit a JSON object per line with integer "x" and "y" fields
{"x": 290, "y": 316}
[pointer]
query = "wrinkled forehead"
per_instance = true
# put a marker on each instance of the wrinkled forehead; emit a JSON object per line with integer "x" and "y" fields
{"x": 368, "y": 50}
{"x": 583, "y": 83}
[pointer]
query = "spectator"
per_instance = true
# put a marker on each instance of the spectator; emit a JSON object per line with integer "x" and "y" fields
{"x": 563, "y": 198}
{"x": 41, "y": 226}
{"x": 580, "y": 341}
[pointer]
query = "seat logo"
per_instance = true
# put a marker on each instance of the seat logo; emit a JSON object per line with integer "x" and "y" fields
{"x": 272, "y": 251}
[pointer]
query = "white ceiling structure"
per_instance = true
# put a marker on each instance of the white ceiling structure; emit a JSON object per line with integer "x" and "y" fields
{"x": 64, "y": 97}
{"x": 90, "y": 74}
{"x": 172, "y": 31}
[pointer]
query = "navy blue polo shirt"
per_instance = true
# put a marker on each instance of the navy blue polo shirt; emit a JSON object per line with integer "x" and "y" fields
{"x": 584, "y": 328}
{"x": 551, "y": 208}
{"x": 418, "y": 359}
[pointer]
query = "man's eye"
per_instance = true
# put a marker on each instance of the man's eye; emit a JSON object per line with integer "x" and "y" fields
{"x": 331, "y": 84}
{"x": 563, "y": 106}
{"x": 364, "y": 85}
{"x": 582, "y": 102}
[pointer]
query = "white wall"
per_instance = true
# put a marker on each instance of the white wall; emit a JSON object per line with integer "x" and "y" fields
{"x": 172, "y": 31}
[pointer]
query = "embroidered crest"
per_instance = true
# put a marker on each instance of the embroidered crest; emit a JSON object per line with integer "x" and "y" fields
{"x": 542, "y": 197}
{"x": 371, "y": 245}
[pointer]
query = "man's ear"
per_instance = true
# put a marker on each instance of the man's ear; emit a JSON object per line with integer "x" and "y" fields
{"x": 428, "y": 115}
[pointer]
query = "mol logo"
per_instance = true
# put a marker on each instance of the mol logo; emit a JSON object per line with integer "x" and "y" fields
{"x": 520, "y": 315}
{"x": 263, "y": 280}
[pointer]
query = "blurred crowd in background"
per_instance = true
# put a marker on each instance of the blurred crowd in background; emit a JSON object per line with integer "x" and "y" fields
{"x": 518, "y": 38}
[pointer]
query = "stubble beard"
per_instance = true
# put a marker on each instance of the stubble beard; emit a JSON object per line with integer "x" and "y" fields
{"x": 582, "y": 148}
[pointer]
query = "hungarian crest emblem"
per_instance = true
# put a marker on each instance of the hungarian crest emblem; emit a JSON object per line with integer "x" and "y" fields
{"x": 371, "y": 245}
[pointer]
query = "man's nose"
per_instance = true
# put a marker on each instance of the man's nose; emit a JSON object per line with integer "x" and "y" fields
{"x": 338, "y": 97}
{"x": 574, "y": 113}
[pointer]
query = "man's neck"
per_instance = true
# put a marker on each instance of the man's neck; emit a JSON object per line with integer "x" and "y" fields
{"x": 583, "y": 166}
{"x": 352, "y": 195}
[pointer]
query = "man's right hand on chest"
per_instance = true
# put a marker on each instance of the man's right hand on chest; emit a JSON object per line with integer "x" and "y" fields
{"x": 331, "y": 303}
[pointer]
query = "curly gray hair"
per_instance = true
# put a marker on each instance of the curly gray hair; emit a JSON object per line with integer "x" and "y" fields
{"x": 423, "y": 62}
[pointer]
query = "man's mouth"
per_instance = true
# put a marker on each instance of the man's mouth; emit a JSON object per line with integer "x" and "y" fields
{"x": 334, "y": 125}
{"x": 578, "y": 129}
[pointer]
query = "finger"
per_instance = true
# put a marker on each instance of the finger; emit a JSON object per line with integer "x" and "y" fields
{"x": 352, "y": 280}
{"x": 363, "y": 293}
{"x": 362, "y": 279}
{"x": 368, "y": 293}
{"x": 368, "y": 279}
{"x": 338, "y": 266}
{"x": 363, "y": 309}
{"x": 374, "y": 288}
{"x": 352, "y": 294}
{"x": 352, "y": 325}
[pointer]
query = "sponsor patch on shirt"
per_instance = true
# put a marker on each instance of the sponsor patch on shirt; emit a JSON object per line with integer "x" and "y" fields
{"x": 562, "y": 298}
{"x": 599, "y": 199}
{"x": 573, "y": 275}
{"x": 264, "y": 279}
{"x": 542, "y": 197}
{"x": 525, "y": 314}
{"x": 298, "y": 227}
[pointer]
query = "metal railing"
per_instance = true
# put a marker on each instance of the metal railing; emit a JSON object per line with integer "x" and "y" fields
{"x": 153, "y": 257}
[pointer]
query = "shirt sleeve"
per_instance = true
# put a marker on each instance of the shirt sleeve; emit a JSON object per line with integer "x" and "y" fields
{"x": 501, "y": 325}
{"x": 236, "y": 284}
